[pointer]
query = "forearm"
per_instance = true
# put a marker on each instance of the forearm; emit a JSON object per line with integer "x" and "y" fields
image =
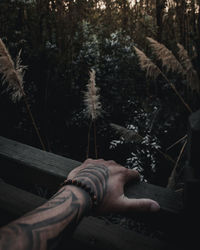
{"x": 45, "y": 224}
{"x": 100, "y": 185}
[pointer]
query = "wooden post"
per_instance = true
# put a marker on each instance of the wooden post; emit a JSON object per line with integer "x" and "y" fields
{"x": 192, "y": 168}
{"x": 192, "y": 181}
{"x": 194, "y": 143}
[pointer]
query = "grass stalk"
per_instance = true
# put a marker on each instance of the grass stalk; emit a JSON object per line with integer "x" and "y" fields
{"x": 12, "y": 75}
{"x": 171, "y": 181}
{"x": 176, "y": 91}
{"x": 34, "y": 123}
{"x": 88, "y": 146}
{"x": 175, "y": 143}
{"x": 93, "y": 108}
{"x": 95, "y": 139}
{"x": 152, "y": 70}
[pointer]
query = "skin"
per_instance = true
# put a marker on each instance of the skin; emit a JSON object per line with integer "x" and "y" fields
{"x": 44, "y": 227}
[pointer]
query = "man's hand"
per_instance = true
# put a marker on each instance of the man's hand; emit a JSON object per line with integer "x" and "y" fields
{"x": 107, "y": 180}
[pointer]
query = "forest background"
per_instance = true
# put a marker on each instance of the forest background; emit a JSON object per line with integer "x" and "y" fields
{"x": 61, "y": 41}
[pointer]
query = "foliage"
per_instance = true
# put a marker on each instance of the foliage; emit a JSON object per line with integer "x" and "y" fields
{"x": 142, "y": 154}
{"x": 62, "y": 40}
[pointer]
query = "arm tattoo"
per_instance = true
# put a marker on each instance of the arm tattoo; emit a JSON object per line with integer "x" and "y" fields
{"x": 40, "y": 229}
{"x": 44, "y": 227}
{"x": 95, "y": 176}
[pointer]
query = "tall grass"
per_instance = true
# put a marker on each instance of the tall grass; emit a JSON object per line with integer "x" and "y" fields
{"x": 12, "y": 73}
{"x": 12, "y": 76}
{"x": 152, "y": 70}
{"x": 181, "y": 65}
{"x": 93, "y": 108}
{"x": 168, "y": 59}
{"x": 191, "y": 74}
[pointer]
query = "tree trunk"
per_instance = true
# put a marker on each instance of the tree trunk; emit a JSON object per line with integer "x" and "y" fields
{"x": 160, "y": 6}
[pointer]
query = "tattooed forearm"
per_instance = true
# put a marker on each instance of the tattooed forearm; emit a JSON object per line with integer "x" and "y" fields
{"x": 41, "y": 228}
{"x": 36, "y": 229}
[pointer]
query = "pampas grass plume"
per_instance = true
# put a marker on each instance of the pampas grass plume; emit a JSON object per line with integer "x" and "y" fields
{"x": 93, "y": 108}
{"x": 152, "y": 70}
{"x": 167, "y": 58}
{"x": 191, "y": 74}
{"x": 92, "y": 98}
{"x": 147, "y": 65}
{"x": 12, "y": 73}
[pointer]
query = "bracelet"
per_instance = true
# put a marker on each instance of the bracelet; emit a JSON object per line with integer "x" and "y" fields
{"x": 84, "y": 187}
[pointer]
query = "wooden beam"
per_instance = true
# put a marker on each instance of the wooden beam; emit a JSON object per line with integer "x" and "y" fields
{"x": 91, "y": 232}
{"x": 16, "y": 201}
{"x": 26, "y": 164}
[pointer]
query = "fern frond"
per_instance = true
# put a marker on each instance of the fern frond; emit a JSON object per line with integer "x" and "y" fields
{"x": 127, "y": 134}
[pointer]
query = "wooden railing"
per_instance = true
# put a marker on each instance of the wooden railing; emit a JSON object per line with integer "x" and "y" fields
{"x": 23, "y": 166}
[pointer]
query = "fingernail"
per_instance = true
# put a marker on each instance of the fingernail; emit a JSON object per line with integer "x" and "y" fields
{"x": 154, "y": 207}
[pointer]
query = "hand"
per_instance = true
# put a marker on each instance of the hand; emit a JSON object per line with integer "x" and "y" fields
{"x": 107, "y": 180}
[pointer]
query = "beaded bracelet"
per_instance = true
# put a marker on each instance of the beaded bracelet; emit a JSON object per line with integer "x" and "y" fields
{"x": 84, "y": 187}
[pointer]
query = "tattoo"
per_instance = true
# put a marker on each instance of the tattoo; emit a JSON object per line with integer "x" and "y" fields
{"x": 40, "y": 234}
{"x": 44, "y": 227}
{"x": 95, "y": 176}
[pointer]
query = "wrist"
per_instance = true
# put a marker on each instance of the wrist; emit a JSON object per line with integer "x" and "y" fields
{"x": 84, "y": 187}
{"x": 82, "y": 196}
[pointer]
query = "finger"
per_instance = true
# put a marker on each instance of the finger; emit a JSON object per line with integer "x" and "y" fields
{"x": 131, "y": 175}
{"x": 140, "y": 205}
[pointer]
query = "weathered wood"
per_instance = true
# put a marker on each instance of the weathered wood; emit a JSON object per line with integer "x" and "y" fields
{"x": 17, "y": 201}
{"x": 92, "y": 232}
{"x": 194, "y": 143}
{"x": 192, "y": 169}
{"x": 192, "y": 180}
{"x": 30, "y": 165}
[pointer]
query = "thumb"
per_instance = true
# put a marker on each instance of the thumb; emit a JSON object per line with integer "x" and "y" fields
{"x": 139, "y": 205}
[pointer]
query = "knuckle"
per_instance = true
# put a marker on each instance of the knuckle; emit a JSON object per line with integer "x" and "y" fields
{"x": 123, "y": 172}
{"x": 111, "y": 162}
{"x": 101, "y": 159}
{"x": 88, "y": 160}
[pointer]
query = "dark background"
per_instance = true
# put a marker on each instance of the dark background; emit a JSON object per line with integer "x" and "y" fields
{"x": 62, "y": 40}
